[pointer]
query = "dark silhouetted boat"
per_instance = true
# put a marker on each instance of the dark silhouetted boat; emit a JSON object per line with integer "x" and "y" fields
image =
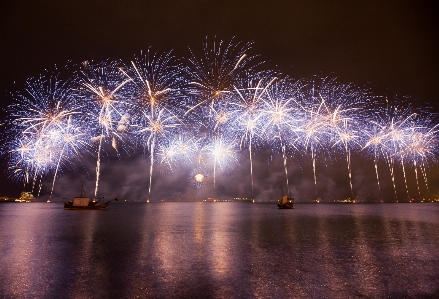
{"x": 83, "y": 203}
{"x": 286, "y": 202}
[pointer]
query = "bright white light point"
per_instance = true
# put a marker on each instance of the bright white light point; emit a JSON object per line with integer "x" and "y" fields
{"x": 199, "y": 177}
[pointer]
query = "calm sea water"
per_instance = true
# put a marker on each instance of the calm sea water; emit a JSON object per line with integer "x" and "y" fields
{"x": 219, "y": 250}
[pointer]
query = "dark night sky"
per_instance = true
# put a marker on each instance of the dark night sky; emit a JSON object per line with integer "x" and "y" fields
{"x": 391, "y": 45}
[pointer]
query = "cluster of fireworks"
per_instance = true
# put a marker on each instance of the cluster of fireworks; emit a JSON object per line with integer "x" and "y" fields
{"x": 202, "y": 111}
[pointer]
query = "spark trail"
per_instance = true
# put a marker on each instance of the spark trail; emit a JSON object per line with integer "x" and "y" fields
{"x": 197, "y": 112}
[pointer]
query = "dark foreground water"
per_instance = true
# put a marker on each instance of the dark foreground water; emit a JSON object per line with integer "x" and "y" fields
{"x": 219, "y": 250}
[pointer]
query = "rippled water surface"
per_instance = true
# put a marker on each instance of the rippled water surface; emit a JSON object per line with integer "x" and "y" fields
{"x": 219, "y": 250}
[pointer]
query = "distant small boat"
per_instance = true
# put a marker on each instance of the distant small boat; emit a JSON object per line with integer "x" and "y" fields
{"x": 83, "y": 203}
{"x": 211, "y": 199}
{"x": 244, "y": 199}
{"x": 286, "y": 202}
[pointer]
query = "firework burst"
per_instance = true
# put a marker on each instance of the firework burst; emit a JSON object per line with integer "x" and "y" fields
{"x": 107, "y": 110}
{"x": 198, "y": 177}
{"x": 36, "y": 116}
{"x": 217, "y": 71}
{"x": 199, "y": 112}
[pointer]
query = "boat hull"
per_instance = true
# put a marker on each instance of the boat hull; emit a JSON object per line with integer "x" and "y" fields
{"x": 286, "y": 203}
{"x": 285, "y": 206}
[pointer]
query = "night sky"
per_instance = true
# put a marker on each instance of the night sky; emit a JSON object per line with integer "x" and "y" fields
{"x": 390, "y": 46}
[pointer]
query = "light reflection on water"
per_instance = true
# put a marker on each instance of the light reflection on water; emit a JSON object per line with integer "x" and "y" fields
{"x": 219, "y": 250}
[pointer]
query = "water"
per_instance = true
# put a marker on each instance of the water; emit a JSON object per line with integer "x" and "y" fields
{"x": 219, "y": 250}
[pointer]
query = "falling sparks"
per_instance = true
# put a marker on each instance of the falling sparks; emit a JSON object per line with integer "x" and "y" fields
{"x": 200, "y": 112}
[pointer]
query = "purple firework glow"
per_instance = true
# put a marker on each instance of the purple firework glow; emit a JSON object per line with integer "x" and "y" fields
{"x": 202, "y": 113}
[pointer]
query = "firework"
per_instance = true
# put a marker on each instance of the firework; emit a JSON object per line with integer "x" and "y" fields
{"x": 157, "y": 85}
{"x": 247, "y": 112}
{"x": 71, "y": 141}
{"x": 102, "y": 91}
{"x": 198, "y": 177}
{"x": 151, "y": 129}
{"x": 201, "y": 111}
{"x": 333, "y": 117}
{"x": 157, "y": 81}
{"x": 36, "y": 116}
{"x": 177, "y": 150}
{"x": 280, "y": 117}
{"x": 221, "y": 153}
{"x": 217, "y": 72}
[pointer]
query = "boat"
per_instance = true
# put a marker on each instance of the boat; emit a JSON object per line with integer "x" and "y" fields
{"x": 244, "y": 199}
{"x": 6, "y": 199}
{"x": 83, "y": 203}
{"x": 286, "y": 202}
{"x": 211, "y": 199}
